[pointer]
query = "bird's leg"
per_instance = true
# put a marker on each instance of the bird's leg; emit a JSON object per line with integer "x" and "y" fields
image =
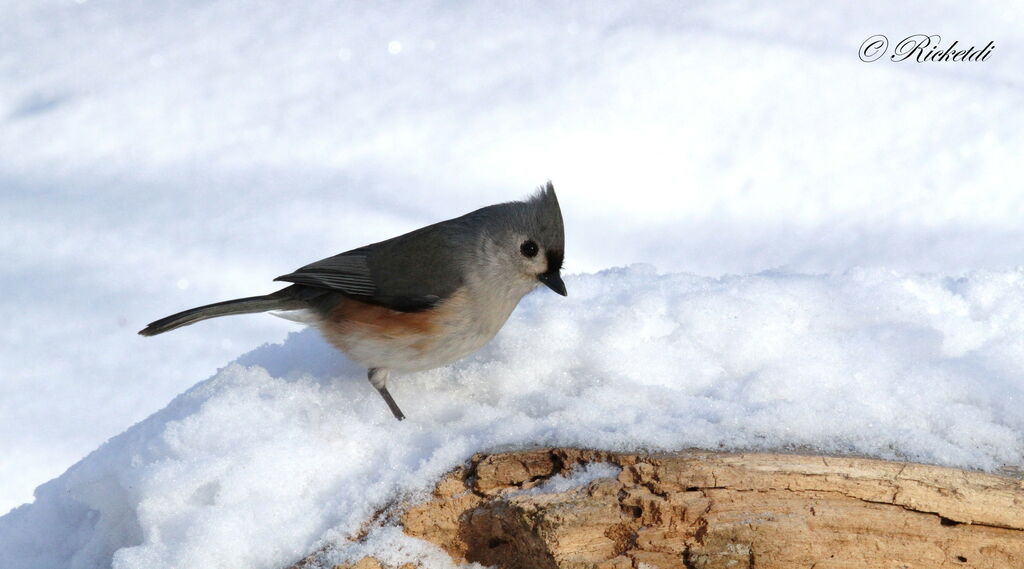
{"x": 378, "y": 377}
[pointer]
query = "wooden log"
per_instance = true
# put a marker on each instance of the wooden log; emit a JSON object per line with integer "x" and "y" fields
{"x": 708, "y": 510}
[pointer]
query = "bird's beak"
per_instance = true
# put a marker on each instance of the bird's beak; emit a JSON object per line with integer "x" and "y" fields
{"x": 553, "y": 280}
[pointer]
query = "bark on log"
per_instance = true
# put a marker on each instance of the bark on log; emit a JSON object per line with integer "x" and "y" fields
{"x": 706, "y": 510}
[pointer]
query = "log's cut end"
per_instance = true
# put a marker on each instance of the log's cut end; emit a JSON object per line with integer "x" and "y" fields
{"x": 706, "y": 510}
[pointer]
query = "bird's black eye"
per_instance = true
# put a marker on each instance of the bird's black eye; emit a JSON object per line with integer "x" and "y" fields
{"x": 529, "y": 249}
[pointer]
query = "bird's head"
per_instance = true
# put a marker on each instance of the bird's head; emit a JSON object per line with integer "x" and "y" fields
{"x": 530, "y": 239}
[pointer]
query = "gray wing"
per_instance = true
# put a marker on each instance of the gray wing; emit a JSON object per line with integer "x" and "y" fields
{"x": 411, "y": 272}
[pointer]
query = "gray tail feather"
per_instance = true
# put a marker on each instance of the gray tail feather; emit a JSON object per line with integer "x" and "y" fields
{"x": 238, "y": 306}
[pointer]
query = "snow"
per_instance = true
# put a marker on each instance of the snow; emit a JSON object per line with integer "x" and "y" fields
{"x": 391, "y": 546}
{"x": 836, "y": 246}
{"x": 576, "y": 479}
{"x": 289, "y": 448}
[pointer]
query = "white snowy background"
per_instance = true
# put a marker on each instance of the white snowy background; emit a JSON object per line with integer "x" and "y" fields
{"x": 771, "y": 244}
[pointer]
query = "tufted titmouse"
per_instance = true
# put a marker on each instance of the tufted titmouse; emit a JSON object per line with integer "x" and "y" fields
{"x": 423, "y": 299}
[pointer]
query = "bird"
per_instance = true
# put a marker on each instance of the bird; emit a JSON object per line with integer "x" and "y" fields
{"x": 420, "y": 300}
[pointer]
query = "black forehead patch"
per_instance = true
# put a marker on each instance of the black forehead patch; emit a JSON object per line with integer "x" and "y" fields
{"x": 555, "y": 259}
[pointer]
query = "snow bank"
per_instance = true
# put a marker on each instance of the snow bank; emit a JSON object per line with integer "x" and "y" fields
{"x": 290, "y": 448}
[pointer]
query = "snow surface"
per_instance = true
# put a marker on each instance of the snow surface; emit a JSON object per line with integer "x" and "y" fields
{"x": 289, "y": 448}
{"x": 575, "y": 479}
{"x": 158, "y": 156}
